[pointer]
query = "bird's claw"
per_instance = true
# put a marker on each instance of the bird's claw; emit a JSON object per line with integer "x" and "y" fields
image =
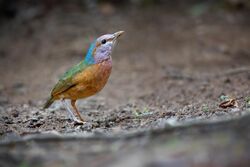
{"x": 78, "y": 122}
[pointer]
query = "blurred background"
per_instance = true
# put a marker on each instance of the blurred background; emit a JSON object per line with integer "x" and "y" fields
{"x": 41, "y": 39}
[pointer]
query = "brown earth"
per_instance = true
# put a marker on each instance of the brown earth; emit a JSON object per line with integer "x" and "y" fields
{"x": 171, "y": 69}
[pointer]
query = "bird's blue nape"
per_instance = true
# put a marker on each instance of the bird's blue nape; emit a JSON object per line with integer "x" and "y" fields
{"x": 89, "y": 59}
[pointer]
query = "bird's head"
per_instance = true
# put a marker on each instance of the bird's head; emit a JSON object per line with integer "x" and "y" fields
{"x": 101, "y": 49}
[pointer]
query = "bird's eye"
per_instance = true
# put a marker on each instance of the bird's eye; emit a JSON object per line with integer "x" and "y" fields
{"x": 104, "y": 41}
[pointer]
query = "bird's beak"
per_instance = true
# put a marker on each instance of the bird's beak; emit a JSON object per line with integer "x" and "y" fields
{"x": 118, "y": 34}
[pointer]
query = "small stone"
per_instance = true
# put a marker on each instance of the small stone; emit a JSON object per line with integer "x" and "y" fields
{"x": 33, "y": 120}
{"x": 5, "y": 117}
{"x": 227, "y": 80}
{"x": 15, "y": 114}
{"x": 37, "y": 113}
{"x": 7, "y": 120}
{"x": 40, "y": 117}
{"x": 86, "y": 127}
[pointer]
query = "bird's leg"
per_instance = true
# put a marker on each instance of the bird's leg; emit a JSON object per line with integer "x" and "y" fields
{"x": 73, "y": 104}
{"x": 70, "y": 113}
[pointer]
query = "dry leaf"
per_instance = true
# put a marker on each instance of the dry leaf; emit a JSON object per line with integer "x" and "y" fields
{"x": 229, "y": 103}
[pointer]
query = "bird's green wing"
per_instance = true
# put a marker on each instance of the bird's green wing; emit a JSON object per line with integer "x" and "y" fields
{"x": 66, "y": 80}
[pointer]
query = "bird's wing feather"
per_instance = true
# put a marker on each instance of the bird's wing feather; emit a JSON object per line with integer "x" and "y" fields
{"x": 66, "y": 81}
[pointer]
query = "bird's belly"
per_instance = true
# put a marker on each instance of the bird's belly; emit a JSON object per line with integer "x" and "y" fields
{"x": 90, "y": 81}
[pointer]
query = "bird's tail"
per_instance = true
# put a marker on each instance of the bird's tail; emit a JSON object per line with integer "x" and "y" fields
{"x": 48, "y": 103}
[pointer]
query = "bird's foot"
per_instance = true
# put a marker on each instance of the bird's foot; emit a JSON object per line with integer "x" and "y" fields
{"x": 78, "y": 122}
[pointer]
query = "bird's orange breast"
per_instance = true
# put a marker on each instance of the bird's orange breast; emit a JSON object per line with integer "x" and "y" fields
{"x": 89, "y": 81}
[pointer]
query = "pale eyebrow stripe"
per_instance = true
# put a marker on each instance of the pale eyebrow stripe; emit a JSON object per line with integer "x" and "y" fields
{"x": 108, "y": 40}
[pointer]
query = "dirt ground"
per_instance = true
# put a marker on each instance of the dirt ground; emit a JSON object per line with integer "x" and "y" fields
{"x": 171, "y": 70}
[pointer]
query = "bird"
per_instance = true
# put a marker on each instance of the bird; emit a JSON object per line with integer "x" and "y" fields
{"x": 86, "y": 78}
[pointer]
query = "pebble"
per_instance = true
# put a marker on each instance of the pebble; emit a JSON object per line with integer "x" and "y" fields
{"x": 33, "y": 120}
{"x": 7, "y": 120}
{"x": 15, "y": 114}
